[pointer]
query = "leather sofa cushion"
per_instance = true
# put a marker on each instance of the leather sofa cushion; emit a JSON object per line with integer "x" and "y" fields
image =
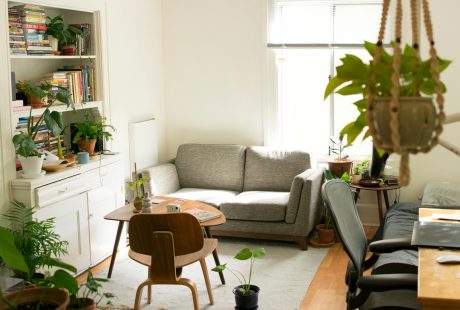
{"x": 213, "y": 197}
{"x": 257, "y": 206}
{"x": 215, "y": 166}
{"x": 269, "y": 169}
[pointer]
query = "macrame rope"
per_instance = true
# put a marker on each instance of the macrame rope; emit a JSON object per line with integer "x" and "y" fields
{"x": 394, "y": 105}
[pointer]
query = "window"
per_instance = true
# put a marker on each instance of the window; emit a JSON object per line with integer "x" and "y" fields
{"x": 306, "y": 41}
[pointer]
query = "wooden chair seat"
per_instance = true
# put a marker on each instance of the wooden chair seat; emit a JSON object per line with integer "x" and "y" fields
{"x": 181, "y": 260}
{"x": 165, "y": 243}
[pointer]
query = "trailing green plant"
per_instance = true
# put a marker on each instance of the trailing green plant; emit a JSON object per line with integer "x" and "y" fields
{"x": 244, "y": 254}
{"x": 92, "y": 129}
{"x": 353, "y": 77}
{"x": 24, "y": 142}
{"x": 36, "y": 240}
{"x": 66, "y": 34}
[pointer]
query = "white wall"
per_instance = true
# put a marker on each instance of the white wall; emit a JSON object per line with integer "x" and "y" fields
{"x": 135, "y": 70}
{"x": 214, "y": 56}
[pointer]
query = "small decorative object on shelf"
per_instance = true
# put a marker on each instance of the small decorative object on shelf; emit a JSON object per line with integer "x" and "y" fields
{"x": 146, "y": 204}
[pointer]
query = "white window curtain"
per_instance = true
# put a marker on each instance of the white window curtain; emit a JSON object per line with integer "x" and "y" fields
{"x": 306, "y": 41}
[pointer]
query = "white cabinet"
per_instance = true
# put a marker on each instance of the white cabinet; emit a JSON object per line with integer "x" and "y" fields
{"x": 78, "y": 199}
{"x": 71, "y": 223}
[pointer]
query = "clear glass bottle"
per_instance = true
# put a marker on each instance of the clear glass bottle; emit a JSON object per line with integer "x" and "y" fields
{"x": 146, "y": 204}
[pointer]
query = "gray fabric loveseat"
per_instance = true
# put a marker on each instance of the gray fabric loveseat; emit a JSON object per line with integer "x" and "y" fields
{"x": 265, "y": 193}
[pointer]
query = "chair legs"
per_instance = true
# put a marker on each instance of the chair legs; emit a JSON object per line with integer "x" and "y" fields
{"x": 137, "y": 301}
{"x": 192, "y": 286}
{"x": 206, "y": 280}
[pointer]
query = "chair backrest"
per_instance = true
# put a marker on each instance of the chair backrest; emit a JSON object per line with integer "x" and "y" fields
{"x": 185, "y": 229}
{"x": 341, "y": 204}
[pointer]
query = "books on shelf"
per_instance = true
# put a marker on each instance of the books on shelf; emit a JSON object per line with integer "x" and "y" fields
{"x": 16, "y": 33}
{"x": 203, "y": 215}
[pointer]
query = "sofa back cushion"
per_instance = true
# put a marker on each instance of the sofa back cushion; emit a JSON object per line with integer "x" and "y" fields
{"x": 269, "y": 169}
{"x": 216, "y": 166}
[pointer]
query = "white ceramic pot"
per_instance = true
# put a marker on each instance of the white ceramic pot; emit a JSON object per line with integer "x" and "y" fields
{"x": 53, "y": 43}
{"x": 356, "y": 178}
{"x": 31, "y": 165}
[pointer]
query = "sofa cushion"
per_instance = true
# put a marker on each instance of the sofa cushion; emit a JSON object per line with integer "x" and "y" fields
{"x": 269, "y": 169}
{"x": 212, "y": 197}
{"x": 211, "y": 166}
{"x": 257, "y": 206}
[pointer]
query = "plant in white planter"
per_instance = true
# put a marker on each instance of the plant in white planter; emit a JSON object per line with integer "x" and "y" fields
{"x": 246, "y": 294}
{"x": 26, "y": 149}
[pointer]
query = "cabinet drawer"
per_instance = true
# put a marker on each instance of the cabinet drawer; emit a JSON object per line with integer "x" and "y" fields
{"x": 51, "y": 193}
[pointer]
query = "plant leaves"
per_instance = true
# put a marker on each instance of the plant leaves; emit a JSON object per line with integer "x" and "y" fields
{"x": 10, "y": 253}
{"x": 63, "y": 279}
{"x": 244, "y": 254}
{"x": 259, "y": 252}
{"x": 54, "y": 262}
{"x": 219, "y": 268}
{"x": 351, "y": 89}
{"x": 333, "y": 84}
{"x": 53, "y": 122}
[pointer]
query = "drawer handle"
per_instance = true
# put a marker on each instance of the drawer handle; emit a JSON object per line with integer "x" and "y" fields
{"x": 62, "y": 191}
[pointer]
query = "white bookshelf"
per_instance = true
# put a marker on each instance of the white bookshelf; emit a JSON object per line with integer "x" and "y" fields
{"x": 57, "y": 57}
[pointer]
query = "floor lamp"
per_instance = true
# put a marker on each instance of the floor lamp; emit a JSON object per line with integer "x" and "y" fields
{"x": 454, "y": 118}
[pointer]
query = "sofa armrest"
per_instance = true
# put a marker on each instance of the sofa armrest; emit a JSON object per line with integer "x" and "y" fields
{"x": 304, "y": 196}
{"x": 163, "y": 179}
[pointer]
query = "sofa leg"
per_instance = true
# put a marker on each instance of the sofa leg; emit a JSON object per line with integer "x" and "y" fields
{"x": 302, "y": 242}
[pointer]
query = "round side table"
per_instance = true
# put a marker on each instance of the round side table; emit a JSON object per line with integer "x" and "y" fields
{"x": 378, "y": 190}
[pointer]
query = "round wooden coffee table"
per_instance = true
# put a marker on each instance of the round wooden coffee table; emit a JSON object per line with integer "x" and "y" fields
{"x": 125, "y": 213}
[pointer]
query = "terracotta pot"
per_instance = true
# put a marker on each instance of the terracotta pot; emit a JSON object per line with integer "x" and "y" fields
{"x": 325, "y": 236}
{"x": 87, "y": 145}
{"x": 56, "y": 297}
{"x": 417, "y": 121}
{"x": 339, "y": 167}
{"x": 356, "y": 178}
{"x": 37, "y": 102}
{"x": 137, "y": 204}
{"x": 69, "y": 50}
{"x": 83, "y": 304}
{"x": 70, "y": 157}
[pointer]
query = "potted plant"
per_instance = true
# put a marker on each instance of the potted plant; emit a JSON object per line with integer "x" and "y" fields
{"x": 26, "y": 149}
{"x": 246, "y": 294}
{"x": 358, "y": 171}
{"x": 417, "y": 115}
{"x": 36, "y": 241}
{"x": 65, "y": 34}
{"x": 89, "y": 131}
{"x": 136, "y": 187}
{"x": 325, "y": 230}
{"x": 340, "y": 164}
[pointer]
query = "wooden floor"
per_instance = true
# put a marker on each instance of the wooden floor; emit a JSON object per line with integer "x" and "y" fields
{"x": 326, "y": 291}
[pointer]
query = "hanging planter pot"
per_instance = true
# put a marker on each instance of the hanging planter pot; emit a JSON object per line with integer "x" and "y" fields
{"x": 417, "y": 122}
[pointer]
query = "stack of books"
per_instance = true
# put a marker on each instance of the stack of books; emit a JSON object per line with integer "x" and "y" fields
{"x": 16, "y": 32}
{"x": 44, "y": 140}
{"x": 34, "y": 25}
{"x": 81, "y": 82}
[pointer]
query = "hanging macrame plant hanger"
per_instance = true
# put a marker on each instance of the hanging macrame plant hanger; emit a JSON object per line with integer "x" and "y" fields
{"x": 405, "y": 125}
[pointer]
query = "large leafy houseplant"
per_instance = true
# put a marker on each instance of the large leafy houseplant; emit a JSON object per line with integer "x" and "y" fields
{"x": 246, "y": 294}
{"x": 353, "y": 77}
{"x": 65, "y": 34}
{"x": 24, "y": 141}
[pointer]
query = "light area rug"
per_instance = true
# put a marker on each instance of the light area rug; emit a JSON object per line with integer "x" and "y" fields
{"x": 283, "y": 276}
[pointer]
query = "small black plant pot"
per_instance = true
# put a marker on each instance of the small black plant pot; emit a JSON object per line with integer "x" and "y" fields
{"x": 246, "y": 302}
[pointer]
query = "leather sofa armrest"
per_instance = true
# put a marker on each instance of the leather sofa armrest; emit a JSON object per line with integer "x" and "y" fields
{"x": 163, "y": 179}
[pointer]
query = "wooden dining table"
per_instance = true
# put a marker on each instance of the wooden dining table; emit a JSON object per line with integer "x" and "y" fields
{"x": 125, "y": 213}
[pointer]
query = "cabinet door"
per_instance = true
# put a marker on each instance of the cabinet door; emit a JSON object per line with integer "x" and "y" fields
{"x": 71, "y": 223}
{"x": 102, "y": 201}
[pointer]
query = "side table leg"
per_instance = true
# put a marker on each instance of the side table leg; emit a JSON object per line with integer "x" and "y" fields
{"x": 385, "y": 196}
{"x": 115, "y": 248}
{"x": 379, "y": 202}
{"x": 214, "y": 254}
{"x": 357, "y": 194}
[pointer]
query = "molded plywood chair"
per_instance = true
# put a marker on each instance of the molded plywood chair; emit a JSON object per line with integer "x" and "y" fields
{"x": 376, "y": 291}
{"x": 165, "y": 243}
